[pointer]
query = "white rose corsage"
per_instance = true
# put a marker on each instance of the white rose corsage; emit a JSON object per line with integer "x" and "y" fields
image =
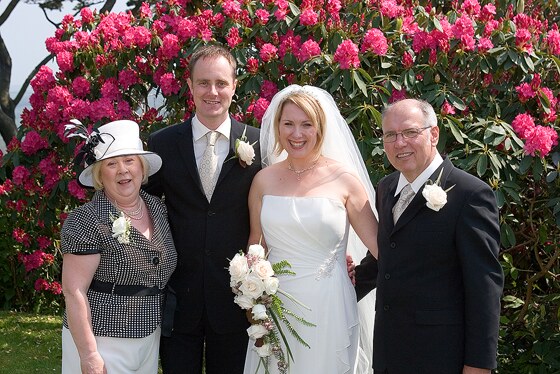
{"x": 244, "y": 151}
{"x": 436, "y": 197}
{"x": 121, "y": 228}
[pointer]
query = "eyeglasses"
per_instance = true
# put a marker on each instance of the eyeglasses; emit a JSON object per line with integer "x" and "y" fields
{"x": 391, "y": 137}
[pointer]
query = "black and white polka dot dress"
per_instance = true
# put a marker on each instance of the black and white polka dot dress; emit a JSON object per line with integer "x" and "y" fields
{"x": 140, "y": 265}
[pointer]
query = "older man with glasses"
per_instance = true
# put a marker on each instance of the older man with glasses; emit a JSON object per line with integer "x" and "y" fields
{"x": 439, "y": 281}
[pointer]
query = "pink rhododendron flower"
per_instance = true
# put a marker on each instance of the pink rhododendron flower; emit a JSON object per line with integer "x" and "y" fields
{"x": 470, "y": 7}
{"x": 523, "y": 40}
{"x": 22, "y": 237}
{"x": 389, "y": 8}
{"x": 233, "y": 37}
{"x": 43, "y": 242}
{"x": 252, "y": 65}
{"x": 232, "y": 9}
{"x": 81, "y": 87}
{"x": 308, "y": 17}
{"x": 32, "y": 143}
{"x": 137, "y": 36}
{"x": 407, "y": 60}
{"x": 101, "y": 109}
{"x": 397, "y": 95}
{"x": 523, "y": 124}
{"x": 259, "y": 108}
{"x": 76, "y": 190}
{"x": 374, "y": 41}
{"x": 110, "y": 90}
{"x": 289, "y": 43}
{"x": 187, "y": 29}
{"x": 540, "y": 140}
{"x": 447, "y": 108}
{"x": 55, "y": 288}
{"x": 268, "y": 89}
{"x": 488, "y": 12}
{"x": 309, "y": 48}
{"x": 41, "y": 284}
{"x": 333, "y": 8}
{"x": 20, "y": 174}
{"x": 484, "y": 44}
{"x": 553, "y": 41}
{"x": 261, "y": 16}
{"x": 87, "y": 15}
{"x": 268, "y": 52}
{"x": 169, "y": 85}
{"x": 65, "y": 61}
{"x": 281, "y": 9}
{"x": 487, "y": 80}
{"x": 127, "y": 78}
{"x": 43, "y": 80}
{"x": 170, "y": 46}
{"x": 490, "y": 26}
{"x": 347, "y": 55}
{"x": 525, "y": 92}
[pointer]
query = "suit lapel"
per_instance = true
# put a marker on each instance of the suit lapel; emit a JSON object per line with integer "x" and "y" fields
{"x": 388, "y": 201}
{"x": 185, "y": 148}
{"x": 419, "y": 202}
{"x": 236, "y": 132}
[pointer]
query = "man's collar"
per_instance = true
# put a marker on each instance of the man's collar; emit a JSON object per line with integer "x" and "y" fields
{"x": 422, "y": 178}
{"x": 199, "y": 130}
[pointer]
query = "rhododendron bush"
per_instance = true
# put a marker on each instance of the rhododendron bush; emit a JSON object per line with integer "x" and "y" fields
{"x": 490, "y": 70}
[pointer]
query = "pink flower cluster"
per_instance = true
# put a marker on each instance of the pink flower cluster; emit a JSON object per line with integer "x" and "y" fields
{"x": 44, "y": 285}
{"x": 538, "y": 139}
{"x": 347, "y": 55}
{"x": 374, "y": 41}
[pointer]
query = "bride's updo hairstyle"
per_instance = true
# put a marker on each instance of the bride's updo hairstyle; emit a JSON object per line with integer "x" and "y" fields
{"x": 312, "y": 109}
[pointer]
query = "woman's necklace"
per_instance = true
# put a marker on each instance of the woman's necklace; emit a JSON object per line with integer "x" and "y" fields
{"x": 300, "y": 172}
{"x": 136, "y": 214}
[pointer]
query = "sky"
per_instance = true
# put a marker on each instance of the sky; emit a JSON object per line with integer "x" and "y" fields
{"x": 25, "y": 33}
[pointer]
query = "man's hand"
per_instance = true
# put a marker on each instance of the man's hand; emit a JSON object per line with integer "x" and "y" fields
{"x": 350, "y": 267}
{"x": 471, "y": 370}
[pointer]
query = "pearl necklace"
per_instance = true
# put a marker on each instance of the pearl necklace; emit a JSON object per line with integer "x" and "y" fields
{"x": 136, "y": 214}
{"x": 300, "y": 172}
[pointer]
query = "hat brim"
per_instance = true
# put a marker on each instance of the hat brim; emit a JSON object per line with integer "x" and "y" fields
{"x": 153, "y": 160}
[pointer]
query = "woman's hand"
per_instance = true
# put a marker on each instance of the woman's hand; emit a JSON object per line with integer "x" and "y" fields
{"x": 93, "y": 364}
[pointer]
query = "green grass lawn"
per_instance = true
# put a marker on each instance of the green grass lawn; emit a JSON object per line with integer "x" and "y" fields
{"x": 29, "y": 343}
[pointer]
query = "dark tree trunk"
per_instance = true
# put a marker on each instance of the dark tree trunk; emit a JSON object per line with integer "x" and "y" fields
{"x": 8, "y": 127}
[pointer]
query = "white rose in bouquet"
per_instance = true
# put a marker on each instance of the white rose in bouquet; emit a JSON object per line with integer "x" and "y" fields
{"x": 245, "y": 302}
{"x": 271, "y": 285}
{"x": 238, "y": 268}
{"x": 252, "y": 286}
{"x": 263, "y": 269}
{"x": 264, "y": 350}
{"x": 121, "y": 228}
{"x": 256, "y": 250}
{"x": 259, "y": 312}
{"x": 257, "y": 331}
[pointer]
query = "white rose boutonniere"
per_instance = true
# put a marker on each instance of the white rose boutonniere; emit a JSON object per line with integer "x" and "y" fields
{"x": 244, "y": 150}
{"x": 436, "y": 197}
{"x": 121, "y": 228}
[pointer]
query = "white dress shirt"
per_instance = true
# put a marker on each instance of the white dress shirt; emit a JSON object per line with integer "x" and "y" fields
{"x": 200, "y": 142}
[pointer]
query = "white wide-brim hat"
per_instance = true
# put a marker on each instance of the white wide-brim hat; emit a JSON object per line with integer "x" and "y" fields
{"x": 118, "y": 138}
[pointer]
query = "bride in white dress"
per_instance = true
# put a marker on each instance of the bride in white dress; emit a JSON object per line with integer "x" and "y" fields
{"x": 307, "y": 206}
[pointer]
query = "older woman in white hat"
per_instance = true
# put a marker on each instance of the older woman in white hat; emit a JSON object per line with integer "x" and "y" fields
{"x": 118, "y": 256}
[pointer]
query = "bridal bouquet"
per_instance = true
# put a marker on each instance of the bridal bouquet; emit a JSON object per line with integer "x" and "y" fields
{"x": 254, "y": 282}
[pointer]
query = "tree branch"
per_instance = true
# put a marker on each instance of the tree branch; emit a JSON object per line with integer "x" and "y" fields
{"x": 8, "y": 11}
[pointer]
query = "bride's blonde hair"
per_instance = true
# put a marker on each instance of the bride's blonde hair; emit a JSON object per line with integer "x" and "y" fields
{"x": 312, "y": 109}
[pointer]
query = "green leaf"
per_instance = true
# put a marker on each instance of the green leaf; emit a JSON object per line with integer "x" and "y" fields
{"x": 525, "y": 164}
{"x": 482, "y": 165}
{"x": 361, "y": 85}
{"x": 456, "y": 132}
{"x": 550, "y": 177}
{"x": 512, "y": 302}
{"x": 507, "y": 235}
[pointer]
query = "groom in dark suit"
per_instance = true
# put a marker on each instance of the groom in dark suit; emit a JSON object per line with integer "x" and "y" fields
{"x": 439, "y": 281}
{"x": 205, "y": 184}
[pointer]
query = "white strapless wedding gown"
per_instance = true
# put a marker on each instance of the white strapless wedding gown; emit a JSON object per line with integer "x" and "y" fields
{"x": 311, "y": 234}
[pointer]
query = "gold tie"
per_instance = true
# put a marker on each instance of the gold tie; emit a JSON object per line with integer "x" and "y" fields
{"x": 208, "y": 168}
{"x": 406, "y": 196}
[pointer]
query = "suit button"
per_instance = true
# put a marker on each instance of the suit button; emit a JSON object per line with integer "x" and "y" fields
{"x": 387, "y": 276}
{"x": 386, "y": 308}
{"x": 208, "y": 252}
{"x": 210, "y": 213}
{"x": 393, "y": 245}
{"x": 155, "y": 260}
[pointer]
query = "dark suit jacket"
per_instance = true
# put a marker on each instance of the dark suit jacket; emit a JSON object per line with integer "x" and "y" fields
{"x": 206, "y": 234}
{"x": 439, "y": 281}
